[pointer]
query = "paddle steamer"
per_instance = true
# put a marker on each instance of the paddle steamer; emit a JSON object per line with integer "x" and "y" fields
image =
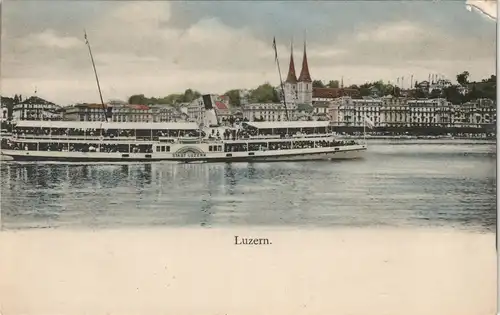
{"x": 181, "y": 142}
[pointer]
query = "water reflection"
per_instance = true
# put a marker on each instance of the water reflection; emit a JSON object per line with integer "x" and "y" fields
{"x": 229, "y": 175}
{"x": 432, "y": 187}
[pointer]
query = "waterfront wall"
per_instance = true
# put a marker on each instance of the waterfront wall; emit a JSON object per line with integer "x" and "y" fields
{"x": 436, "y": 130}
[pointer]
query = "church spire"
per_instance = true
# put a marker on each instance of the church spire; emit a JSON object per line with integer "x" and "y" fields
{"x": 292, "y": 77}
{"x": 304, "y": 73}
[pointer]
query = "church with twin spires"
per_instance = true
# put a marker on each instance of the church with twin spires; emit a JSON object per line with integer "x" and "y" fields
{"x": 298, "y": 91}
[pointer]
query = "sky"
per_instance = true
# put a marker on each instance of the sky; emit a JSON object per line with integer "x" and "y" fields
{"x": 158, "y": 48}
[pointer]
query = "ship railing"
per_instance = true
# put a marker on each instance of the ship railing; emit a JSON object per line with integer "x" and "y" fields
{"x": 313, "y": 135}
{"x": 265, "y": 137}
{"x": 166, "y": 138}
{"x": 65, "y": 137}
{"x": 310, "y": 135}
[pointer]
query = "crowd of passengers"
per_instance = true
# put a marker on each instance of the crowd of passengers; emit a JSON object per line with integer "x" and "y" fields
{"x": 287, "y": 133}
{"x": 247, "y": 133}
{"x": 109, "y": 133}
{"x": 228, "y": 134}
{"x": 79, "y": 147}
{"x": 243, "y": 147}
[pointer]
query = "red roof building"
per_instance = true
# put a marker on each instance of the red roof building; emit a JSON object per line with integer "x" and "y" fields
{"x": 138, "y": 107}
{"x": 221, "y": 106}
{"x": 330, "y": 93}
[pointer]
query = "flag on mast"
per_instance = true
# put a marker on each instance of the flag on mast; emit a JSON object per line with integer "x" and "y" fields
{"x": 275, "y": 50}
{"x": 369, "y": 123}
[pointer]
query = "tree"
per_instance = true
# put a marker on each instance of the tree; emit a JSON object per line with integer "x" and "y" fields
{"x": 388, "y": 89}
{"x": 318, "y": 84}
{"x": 463, "y": 77}
{"x": 173, "y": 98}
{"x": 453, "y": 95}
{"x": 234, "y": 97}
{"x": 435, "y": 93}
{"x": 138, "y": 99}
{"x": 419, "y": 94}
{"x": 264, "y": 93}
{"x": 189, "y": 96}
{"x": 364, "y": 91}
{"x": 379, "y": 85}
{"x": 473, "y": 94}
{"x": 333, "y": 84}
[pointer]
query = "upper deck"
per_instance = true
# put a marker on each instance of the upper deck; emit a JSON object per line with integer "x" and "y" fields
{"x": 291, "y": 125}
{"x": 287, "y": 129}
{"x": 104, "y": 125}
{"x": 108, "y": 131}
{"x": 171, "y": 132}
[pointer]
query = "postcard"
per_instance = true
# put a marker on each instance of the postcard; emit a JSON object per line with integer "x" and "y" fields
{"x": 240, "y": 157}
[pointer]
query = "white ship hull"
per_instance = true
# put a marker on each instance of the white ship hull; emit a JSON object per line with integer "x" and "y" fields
{"x": 325, "y": 153}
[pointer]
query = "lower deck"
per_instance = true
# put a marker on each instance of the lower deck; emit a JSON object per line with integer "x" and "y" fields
{"x": 193, "y": 154}
{"x": 70, "y": 145}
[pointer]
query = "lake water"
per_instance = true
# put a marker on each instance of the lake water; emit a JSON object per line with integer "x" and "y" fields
{"x": 398, "y": 183}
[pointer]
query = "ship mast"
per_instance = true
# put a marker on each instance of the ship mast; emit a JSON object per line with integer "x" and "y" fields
{"x": 96, "y": 77}
{"x": 281, "y": 81}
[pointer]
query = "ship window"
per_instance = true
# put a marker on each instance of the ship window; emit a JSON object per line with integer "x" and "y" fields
{"x": 162, "y": 148}
{"x": 220, "y": 148}
{"x": 168, "y": 148}
{"x": 158, "y": 149}
{"x": 210, "y": 148}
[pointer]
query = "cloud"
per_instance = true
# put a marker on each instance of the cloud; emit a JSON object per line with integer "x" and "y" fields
{"x": 143, "y": 13}
{"x": 401, "y": 32}
{"x": 157, "y": 48}
{"x": 50, "y": 39}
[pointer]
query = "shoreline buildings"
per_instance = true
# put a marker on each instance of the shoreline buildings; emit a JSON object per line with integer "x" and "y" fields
{"x": 341, "y": 106}
{"x": 35, "y": 108}
{"x": 345, "y": 111}
{"x": 389, "y": 111}
{"x": 344, "y": 107}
